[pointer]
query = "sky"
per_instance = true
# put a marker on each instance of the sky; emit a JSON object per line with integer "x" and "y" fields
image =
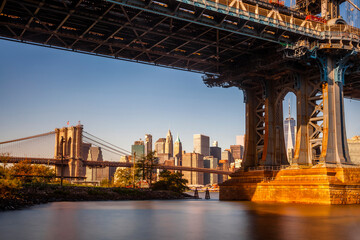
{"x": 43, "y": 88}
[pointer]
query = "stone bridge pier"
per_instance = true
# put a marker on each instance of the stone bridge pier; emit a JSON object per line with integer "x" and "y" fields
{"x": 321, "y": 171}
{"x": 68, "y": 142}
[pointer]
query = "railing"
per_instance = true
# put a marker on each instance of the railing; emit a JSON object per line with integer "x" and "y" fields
{"x": 267, "y": 168}
{"x": 272, "y": 17}
{"x": 285, "y": 179}
{"x": 255, "y": 13}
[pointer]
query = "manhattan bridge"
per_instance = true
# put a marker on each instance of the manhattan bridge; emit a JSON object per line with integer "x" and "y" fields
{"x": 262, "y": 47}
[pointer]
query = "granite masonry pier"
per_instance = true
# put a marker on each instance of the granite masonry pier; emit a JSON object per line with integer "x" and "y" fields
{"x": 316, "y": 185}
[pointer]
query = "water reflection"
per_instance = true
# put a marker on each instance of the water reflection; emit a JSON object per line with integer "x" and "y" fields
{"x": 187, "y": 219}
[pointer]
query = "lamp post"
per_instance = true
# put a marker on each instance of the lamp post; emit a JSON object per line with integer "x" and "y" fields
{"x": 133, "y": 171}
{"x": 62, "y": 160}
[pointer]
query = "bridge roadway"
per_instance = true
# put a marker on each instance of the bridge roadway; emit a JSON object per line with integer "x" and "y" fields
{"x": 52, "y": 161}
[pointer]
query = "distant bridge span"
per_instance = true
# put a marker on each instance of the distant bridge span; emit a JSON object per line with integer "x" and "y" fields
{"x": 52, "y": 161}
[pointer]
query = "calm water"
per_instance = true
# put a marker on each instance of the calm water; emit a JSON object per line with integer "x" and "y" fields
{"x": 185, "y": 219}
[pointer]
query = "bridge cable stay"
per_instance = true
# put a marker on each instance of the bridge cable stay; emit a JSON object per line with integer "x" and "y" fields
{"x": 39, "y": 146}
{"x": 84, "y": 132}
{"x": 353, "y": 4}
{"x": 26, "y": 138}
{"x": 92, "y": 141}
{"x": 107, "y": 146}
{"x": 104, "y": 148}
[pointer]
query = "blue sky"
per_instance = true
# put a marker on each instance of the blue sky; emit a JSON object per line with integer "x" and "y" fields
{"x": 41, "y": 89}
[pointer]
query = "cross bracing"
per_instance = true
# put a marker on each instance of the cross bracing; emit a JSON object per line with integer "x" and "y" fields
{"x": 215, "y": 37}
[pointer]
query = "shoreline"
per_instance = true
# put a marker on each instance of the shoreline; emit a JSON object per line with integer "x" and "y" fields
{"x": 30, "y": 195}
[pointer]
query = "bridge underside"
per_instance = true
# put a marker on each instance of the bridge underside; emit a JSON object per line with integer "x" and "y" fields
{"x": 166, "y": 33}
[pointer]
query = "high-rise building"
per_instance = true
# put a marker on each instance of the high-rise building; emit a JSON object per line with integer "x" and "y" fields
{"x": 240, "y": 140}
{"x": 237, "y": 151}
{"x": 177, "y": 151}
{"x": 139, "y": 149}
{"x": 215, "y": 151}
{"x": 148, "y": 143}
{"x": 226, "y": 155}
{"x": 160, "y": 146}
{"x": 289, "y": 135}
{"x": 202, "y": 144}
{"x": 210, "y": 162}
{"x": 95, "y": 154}
{"x": 169, "y": 144}
{"x": 162, "y": 157}
{"x": 193, "y": 160}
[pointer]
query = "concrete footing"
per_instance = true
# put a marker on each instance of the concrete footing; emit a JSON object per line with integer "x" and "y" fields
{"x": 317, "y": 185}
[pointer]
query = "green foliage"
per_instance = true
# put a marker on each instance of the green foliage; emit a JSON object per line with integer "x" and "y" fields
{"x": 123, "y": 177}
{"x": 146, "y": 166}
{"x": 25, "y": 168}
{"x": 106, "y": 183}
{"x": 8, "y": 187}
{"x": 171, "y": 181}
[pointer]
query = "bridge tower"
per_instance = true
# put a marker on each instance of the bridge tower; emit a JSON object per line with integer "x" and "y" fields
{"x": 71, "y": 149}
{"x": 321, "y": 171}
{"x": 321, "y": 135}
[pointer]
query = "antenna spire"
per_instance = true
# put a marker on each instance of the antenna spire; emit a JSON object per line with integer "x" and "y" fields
{"x": 289, "y": 110}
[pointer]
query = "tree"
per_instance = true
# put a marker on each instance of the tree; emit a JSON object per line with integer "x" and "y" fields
{"x": 123, "y": 177}
{"x": 4, "y": 159}
{"x": 171, "y": 181}
{"x": 25, "y": 168}
{"x": 147, "y": 165}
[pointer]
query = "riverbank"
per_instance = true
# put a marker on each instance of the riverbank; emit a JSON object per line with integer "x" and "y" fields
{"x": 29, "y": 195}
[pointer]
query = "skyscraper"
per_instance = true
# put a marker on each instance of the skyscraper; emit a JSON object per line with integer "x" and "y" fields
{"x": 138, "y": 148}
{"x": 193, "y": 160}
{"x": 160, "y": 146}
{"x": 169, "y": 144}
{"x": 177, "y": 150}
{"x": 240, "y": 140}
{"x": 215, "y": 151}
{"x": 148, "y": 143}
{"x": 202, "y": 144}
{"x": 289, "y": 135}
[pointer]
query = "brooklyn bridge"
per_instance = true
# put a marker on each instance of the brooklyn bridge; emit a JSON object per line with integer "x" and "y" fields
{"x": 68, "y": 150}
{"x": 264, "y": 48}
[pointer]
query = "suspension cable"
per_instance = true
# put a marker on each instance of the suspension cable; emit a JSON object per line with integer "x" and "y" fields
{"x": 113, "y": 149}
{"x": 26, "y": 138}
{"x": 107, "y": 142}
{"x": 353, "y": 4}
{"x": 108, "y": 150}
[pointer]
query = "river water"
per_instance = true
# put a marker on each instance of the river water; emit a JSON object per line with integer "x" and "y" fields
{"x": 180, "y": 219}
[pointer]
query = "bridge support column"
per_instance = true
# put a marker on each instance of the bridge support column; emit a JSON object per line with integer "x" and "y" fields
{"x": 334, "y": 142}
{"x": 308, "y": 95}
{"x": 255, "y": 127}
{"x": 264, "y": 138}
{"x": 274, "y": 153}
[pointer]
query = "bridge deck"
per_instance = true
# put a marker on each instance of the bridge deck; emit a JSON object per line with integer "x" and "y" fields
{"x": 195, "y": 35}
{"x": 52, "y": 161}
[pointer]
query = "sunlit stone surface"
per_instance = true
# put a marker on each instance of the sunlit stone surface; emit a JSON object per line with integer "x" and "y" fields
{"x": 321, "y": 185}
